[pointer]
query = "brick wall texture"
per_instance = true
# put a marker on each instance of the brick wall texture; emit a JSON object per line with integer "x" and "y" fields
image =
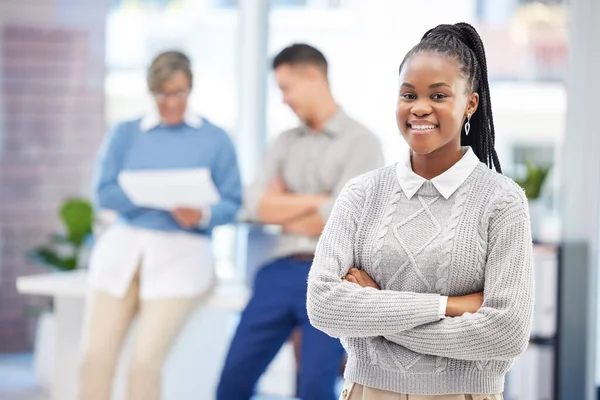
{"x": 51, "y": 122}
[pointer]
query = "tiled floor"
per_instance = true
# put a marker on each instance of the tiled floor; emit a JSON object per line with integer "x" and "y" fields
{"x": 17, "y": 380}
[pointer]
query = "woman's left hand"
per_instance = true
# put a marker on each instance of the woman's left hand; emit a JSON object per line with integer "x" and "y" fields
{"x": 361, "y": 278}
{"x": 187, "y": 217}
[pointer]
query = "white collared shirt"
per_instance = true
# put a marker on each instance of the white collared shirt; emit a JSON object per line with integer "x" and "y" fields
{"x": 446, "y": 183}
{"x": 152, "y": 120}
{"x": 172, "y": 264}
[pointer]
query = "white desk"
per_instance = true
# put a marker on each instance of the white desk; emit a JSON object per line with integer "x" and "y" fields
{"x": 194, "y": 364}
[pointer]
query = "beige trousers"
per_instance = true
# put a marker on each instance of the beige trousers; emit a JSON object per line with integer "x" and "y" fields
{"x": 354, "y": 391}
{"x": 107, "y": 322}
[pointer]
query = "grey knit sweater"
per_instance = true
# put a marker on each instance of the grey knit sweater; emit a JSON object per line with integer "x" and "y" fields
{"x": 416, "y": 250}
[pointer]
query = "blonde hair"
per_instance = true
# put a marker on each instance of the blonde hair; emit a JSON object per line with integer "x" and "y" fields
{"x": 165, "y": 65}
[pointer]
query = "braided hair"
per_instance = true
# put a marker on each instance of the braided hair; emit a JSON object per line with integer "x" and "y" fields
{"x": 462, "y": 42}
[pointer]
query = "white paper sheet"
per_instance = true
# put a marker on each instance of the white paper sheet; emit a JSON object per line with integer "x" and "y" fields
{"x": 170, "y": 188}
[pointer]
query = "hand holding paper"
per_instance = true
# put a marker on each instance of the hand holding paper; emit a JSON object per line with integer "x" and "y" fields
{"x": 187, "y": 217}
{"x": 170, "y": 189}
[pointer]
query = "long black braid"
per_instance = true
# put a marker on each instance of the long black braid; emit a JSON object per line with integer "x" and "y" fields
{"x": 462, "y": 42}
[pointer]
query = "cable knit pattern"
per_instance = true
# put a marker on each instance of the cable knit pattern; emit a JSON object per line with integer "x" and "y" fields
{"x": 383, "y": 230}
{"x": 377, "y": 257}
{"x": 418, "y": 249}
{"x": 446, "y": 255}
{"x": 443, "y": 277}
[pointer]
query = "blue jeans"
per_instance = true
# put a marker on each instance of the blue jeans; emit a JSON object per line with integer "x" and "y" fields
{"x": 277, "y": 306}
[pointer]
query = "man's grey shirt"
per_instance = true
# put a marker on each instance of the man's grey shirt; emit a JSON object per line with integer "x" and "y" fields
{"x": 314, "y": 163}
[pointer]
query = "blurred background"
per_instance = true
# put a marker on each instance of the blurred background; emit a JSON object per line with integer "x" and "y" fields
{"x": 69, "y": 69}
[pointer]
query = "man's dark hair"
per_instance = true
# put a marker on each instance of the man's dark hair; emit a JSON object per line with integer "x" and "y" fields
{"x": 462, "y": 42}
{"x": 299, "y": 54}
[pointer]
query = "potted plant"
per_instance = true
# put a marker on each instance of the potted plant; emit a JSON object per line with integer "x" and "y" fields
{"x": 63, "y": 252}
{"x": 533, "y": 183}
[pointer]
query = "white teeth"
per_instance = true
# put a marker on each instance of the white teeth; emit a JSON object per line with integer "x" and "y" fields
{"x": 422, "y": 127}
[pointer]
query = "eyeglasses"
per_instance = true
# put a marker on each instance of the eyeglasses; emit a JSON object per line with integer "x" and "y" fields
{"x": 180, "y": 94}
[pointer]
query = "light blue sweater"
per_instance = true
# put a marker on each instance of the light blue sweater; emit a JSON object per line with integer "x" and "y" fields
{"x": 128, "y": 147}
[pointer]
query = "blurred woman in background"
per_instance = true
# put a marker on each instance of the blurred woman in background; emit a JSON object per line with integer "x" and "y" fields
{"x": 152, "y": 263}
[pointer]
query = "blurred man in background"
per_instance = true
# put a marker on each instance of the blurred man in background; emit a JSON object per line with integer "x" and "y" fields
{"x": 300, "y": 177}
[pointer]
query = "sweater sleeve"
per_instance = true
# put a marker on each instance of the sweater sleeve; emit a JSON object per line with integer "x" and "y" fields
{"x": 344, "y": 309}
{"x": 108, "y": 194}
{"x": 226, "y": 175}
{"x": 500, "y": 329}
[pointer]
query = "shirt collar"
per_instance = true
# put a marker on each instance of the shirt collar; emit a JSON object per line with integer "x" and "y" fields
{"x": 152, "y": 120}
{"x": 446, "y": 183}
{"x": 334, "y": 125}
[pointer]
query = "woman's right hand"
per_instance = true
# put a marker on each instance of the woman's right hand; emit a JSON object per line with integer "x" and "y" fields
{"x": 360, "y": 277}
{"x": 458, "y": 305}
{"x": 187, "y": 217}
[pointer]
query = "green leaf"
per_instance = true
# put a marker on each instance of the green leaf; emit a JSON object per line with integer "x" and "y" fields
{"x": 78, "y": 217}
{"x": 534, "y": 180}
{"x": 48, "y": 257}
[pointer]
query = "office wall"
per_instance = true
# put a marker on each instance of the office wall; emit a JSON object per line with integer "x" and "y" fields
{"x": 51, "y": 121}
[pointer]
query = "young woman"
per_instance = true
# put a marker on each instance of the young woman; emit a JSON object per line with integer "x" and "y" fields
{"x": 424, "y": 268}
